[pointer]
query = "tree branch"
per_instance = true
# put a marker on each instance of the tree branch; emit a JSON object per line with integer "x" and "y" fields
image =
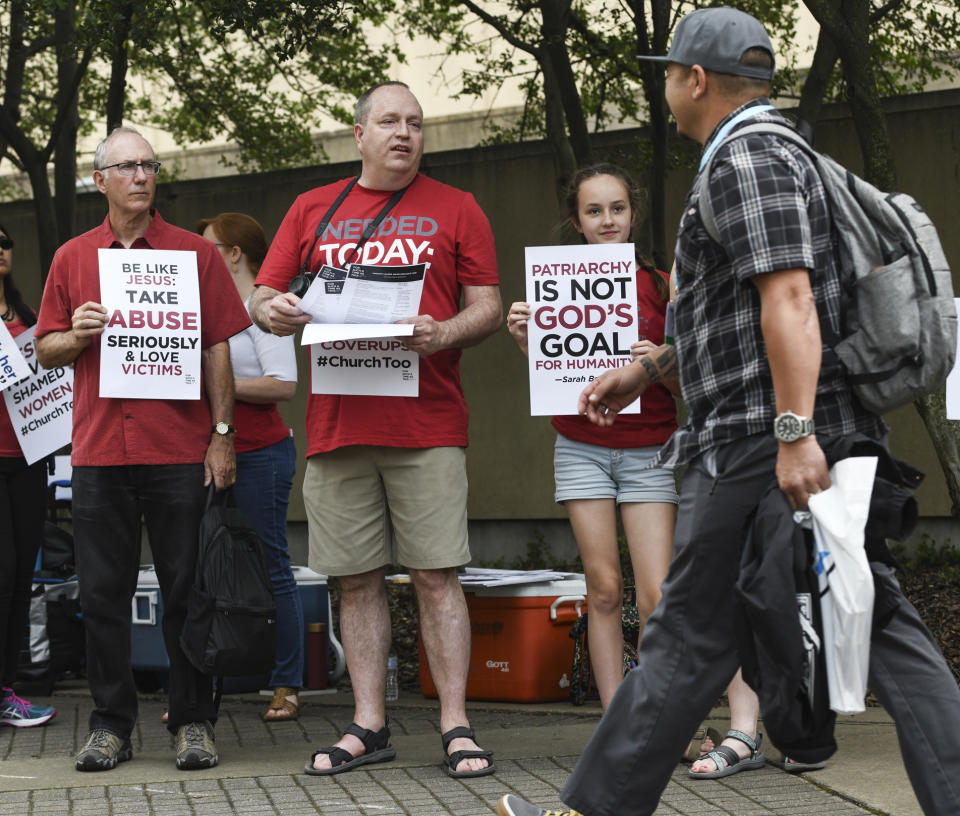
{"x": 498, "y": 23}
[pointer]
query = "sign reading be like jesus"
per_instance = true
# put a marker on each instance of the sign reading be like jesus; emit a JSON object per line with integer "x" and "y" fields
{"x": 150, "y": 348}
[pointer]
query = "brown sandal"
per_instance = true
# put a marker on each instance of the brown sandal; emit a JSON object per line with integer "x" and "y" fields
{"x": 285, "y": 705}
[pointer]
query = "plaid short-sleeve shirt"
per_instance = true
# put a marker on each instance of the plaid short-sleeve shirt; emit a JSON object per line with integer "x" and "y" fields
{"x": 772, "y": 214}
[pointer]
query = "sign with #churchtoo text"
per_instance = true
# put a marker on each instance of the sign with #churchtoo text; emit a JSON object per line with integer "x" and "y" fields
{"x": 583, "y": 320}
{"x": 150, "y": 348}
{"x": 41, "y": 405}
{"x": 13, "y": 367}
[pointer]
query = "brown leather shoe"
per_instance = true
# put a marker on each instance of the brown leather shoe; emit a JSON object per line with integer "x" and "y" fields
{"x": 285, "y": 705}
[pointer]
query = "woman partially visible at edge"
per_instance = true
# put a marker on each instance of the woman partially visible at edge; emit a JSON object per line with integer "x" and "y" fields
{"x": 23, "y": 497}
{"x": 265, "y": 373}
{"x": 598, "y": 469}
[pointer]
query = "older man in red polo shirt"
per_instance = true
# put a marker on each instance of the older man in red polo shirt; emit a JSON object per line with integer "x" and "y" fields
{"x": 139, "y": 457}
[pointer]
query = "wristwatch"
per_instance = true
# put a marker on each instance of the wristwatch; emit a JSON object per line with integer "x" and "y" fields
{"x": 789, "y": 427}
{"x": 223, "y": 428}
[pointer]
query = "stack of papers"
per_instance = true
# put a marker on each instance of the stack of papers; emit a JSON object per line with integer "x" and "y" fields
{"x": 488, "y": 577}
{"x": 484, "y": 577}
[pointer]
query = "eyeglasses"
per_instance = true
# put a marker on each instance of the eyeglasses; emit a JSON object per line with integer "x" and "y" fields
{"x": 6, "y": 243}
{"x": 129, "y": 168}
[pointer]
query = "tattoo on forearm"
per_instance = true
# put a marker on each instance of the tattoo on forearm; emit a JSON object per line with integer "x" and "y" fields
{"x": 662, "y": 365}
{"x": 653, "y": 373}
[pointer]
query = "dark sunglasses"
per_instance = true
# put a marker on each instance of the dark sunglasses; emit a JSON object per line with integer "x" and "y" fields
{"x": 6, "y": 243}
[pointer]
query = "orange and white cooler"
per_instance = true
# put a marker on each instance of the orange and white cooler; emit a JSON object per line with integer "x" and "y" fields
{"x": 521, "y": 649}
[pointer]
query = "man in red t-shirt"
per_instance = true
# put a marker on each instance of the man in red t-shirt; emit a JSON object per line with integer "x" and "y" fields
{"x": 134, "y": 457}
{"x": 376, "y": 462}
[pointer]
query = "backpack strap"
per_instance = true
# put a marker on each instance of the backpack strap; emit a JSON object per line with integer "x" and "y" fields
{"x": 705, "y": 204}
{"x": 703, "y": 188}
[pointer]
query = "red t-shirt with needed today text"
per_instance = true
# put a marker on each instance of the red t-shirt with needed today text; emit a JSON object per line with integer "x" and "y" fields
{"x": 432, "y": 223}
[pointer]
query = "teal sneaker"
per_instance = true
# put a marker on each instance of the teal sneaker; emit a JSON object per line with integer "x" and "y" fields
{"x": 22, "y": 713}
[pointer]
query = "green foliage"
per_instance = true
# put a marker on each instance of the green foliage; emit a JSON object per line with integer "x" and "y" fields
{"x": 927, "y": 554}
{"x": 539, "y": 556}
{"x": 260, "y": 72}
{"x": 602, "y": 39}
{"x": 912, "y": 43}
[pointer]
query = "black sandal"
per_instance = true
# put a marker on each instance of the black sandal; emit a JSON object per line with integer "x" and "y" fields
{"x": 454, "y": 759}
{"x": 377, "y": 749}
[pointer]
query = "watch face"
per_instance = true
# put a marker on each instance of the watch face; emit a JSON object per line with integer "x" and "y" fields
{"x": 222, "y": 428}
{"x": 787, "y": 428}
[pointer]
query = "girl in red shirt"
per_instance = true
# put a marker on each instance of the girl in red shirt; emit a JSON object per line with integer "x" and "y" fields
{"x": 598, "y": 469}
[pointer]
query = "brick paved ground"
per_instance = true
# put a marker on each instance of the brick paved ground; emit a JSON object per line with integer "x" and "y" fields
{"x": 260, "y": 764}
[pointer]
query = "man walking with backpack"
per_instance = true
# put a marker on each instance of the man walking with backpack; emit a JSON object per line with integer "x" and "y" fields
{"x": 763, "y": 393}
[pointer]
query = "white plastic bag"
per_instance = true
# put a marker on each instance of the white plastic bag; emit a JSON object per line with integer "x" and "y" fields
{"x": 846, "y": 584}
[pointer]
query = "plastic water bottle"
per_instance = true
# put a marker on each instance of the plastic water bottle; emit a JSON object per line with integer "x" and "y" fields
{"x": 393, "y": 687}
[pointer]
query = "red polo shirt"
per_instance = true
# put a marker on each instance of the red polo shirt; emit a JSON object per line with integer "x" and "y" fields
{"x": 137, "y": 431}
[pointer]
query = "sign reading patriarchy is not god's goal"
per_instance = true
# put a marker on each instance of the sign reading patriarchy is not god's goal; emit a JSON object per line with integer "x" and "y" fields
{"x": 583, "y": 319}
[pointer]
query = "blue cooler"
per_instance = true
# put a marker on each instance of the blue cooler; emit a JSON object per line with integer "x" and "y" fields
{"x": 148, "y": 652}
{"x": 147, "y": 649}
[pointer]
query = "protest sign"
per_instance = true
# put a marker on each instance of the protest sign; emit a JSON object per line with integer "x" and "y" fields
{"x": 41, "y": 406}
{"x": 380, "y": 366}
{"x": 583, "y": 320}
{"x": 13, "y": 367}
{"x": 150, "y": 348}
{"x": 953, "y": 381}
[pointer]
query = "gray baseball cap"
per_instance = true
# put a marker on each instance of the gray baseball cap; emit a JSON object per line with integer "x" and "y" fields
{"x": 716, "y": 38}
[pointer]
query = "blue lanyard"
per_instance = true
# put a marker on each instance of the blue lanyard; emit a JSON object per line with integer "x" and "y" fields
{"x": 722, "y": 134}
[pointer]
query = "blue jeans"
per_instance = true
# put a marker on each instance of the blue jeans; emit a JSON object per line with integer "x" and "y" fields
{"x": 262, "y": 492}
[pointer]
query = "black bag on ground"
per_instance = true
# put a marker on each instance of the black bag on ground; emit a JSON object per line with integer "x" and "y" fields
{"x": 58, "y": 558}
{"x": 55, "y": 641}
{"x": 231, "y": 626}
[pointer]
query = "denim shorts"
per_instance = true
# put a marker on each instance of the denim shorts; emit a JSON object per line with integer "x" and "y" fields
{"x": 585, "y": 471}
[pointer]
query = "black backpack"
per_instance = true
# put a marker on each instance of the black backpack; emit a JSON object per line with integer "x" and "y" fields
{"x": 58, "y": 558}
{"x": 231, "y": 626}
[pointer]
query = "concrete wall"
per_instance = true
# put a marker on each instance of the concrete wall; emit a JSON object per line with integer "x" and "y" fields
{"x": 510, "y": 458}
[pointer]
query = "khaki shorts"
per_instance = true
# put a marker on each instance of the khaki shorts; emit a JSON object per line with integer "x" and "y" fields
{"x": 349, "y": 491}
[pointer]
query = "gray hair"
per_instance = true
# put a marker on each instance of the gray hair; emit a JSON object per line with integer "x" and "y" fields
{"x": 100, "y": 154}
{"x": 363, "y": 103}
